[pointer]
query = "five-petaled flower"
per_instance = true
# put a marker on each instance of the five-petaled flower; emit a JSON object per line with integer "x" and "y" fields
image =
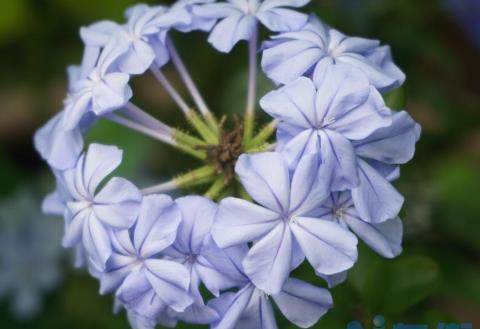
{"x": 316, "y": 47}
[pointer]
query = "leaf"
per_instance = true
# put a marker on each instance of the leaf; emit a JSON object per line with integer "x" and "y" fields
{"x": 392, "y": 286}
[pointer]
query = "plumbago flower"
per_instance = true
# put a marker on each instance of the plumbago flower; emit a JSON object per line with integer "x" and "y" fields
{"x": 283, "y": 231}
{"x": 310, "y": 51}
{"x": 307, "y": 194}
{"x": 239, "y": 19}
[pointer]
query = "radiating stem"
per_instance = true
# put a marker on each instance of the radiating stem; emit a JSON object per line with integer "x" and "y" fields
{"x": 262, "y": 148}
{"x": 195, "y": 177}
{"x": 190, "y": 84}
{"x": 158, "y": 135}
{"x": 264, "y": 134}
{"x": 216, "y": 188}
{"x": 201, "y": 127}
{"x": 252, "y": 86}
{"x": 137, "y": 114}
{"x": 170, "y": 89}
{"x": 187, "y": 139}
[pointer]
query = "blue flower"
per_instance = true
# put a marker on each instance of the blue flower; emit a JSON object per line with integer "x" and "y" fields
{"x": 238, "y": 19}
{"x": 146, "y": 284}
{"x": 301, "y": 303}
{"x": 385, "y": 238}
{"x": 144, "y": 35}
{"x": 379, "y": 156}
{"x": 207, "y": 263}
{"x": 326, "y": 118}
{"x": 100, "y": 92}
{"x": 316, "y": 47}
{"x": 280, "y": 224}
{"x": 197, "y": 23}
{"x": 55, "y": 144}
{"x": 91, "y": 214}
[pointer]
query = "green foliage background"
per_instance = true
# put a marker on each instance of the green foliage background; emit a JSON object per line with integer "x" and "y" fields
{"x": 437, "y": 277}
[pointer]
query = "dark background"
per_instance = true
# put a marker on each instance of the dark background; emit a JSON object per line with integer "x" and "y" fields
{"x": 437, "y": 44}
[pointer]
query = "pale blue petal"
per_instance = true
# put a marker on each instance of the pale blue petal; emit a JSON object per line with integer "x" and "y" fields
{"x": 269, "y": 260}
{"x": 385, "y": 238}
{"x": 376, "y": 200}
{"x": 96, "y": 241}
{"x": 59, "y": 147}
{"x": 230, "y": 306}
{"x": 339, "y": 155}
{"x": 100, "y": 161}
{"x": 309, "y": 188}
{"x": 228, "y": 261}
{"x": 53, "y": 204}
{"x": 137, "y": 295}
{"x": 382, "y": 57}
{"x": 394, "y": 144}
{"x": 239, "y": 221}
{"x": 138, "y": 58}
{"x": 303, "y": 304}
{"x": 198, "y": 214}
{"x": 329, "y": 248}
{"x": 282, "y": 19}
{"x": 111, "y": 93}
{"x": 293, "y": 103}
{"x": 230, "y": 30}
{"x": 157, "y": 225}
{"x": 335, "y": 279}
{"x": 340, "y": 88}
{"x": 118, "y": 203}
{"x": 265, "y": 177}
{"x": 170, "y": 281}
{"x": 285, "y": 61}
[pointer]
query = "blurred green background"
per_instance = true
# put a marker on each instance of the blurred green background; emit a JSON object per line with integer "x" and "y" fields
{"x": 436, "y": 42}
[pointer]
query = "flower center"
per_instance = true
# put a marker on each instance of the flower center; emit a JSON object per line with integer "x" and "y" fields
{"x": 338, "y": 213}
{"x": 225, "y": 154}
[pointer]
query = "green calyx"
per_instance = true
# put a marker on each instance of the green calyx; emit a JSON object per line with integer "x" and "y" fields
{"x": 219, "y": 148}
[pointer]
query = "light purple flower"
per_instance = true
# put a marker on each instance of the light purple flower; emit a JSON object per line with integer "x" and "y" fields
{"x": 280, "y": 225}
{"x": 385, "y": 238}
{"x": 238, "y": 19}
{"x": 380, "y": 155}
{"x": 207, "y": 263}
{"x": 56, "y": 145}
{"x": 326, "y": 118}
{"x": 59, "y": 147}
{"x": 197, "y": 23}
{"x": 301, "y": 303}
{"x": 310, "y": 51}
{"x": 91, "y": 214}
{"x": 148, "y": 285}
{"x": 101, "y": 92}
{"x": 144, "y": 37}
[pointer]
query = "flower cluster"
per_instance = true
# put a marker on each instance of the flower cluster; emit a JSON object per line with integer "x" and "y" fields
{"x": 323, "y": 183}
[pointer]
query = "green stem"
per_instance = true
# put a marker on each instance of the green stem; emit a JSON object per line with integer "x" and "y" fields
{"x": 211, "y": 122}
{"x": 216, "y": 188}
{"x": 248, "y": 125}
{"x": 261, "y": 148}
{"x": 185, "y": 138}
{"x": 201, "y": 127}
{"x": 196, "y": 177}
{"x": 264, "y": 134}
